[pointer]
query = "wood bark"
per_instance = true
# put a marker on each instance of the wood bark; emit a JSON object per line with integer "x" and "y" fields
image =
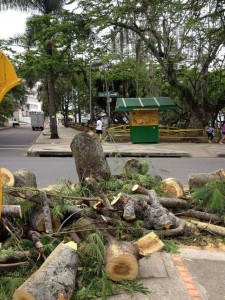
{"x": 46, "y": 213}
{"x": 55, "y": 279}
{"x": 214, "y": 229}
{"x": 13, "y": 211}
{"x": 164, "y": 201}
{"x": 15, "y": 256}
{"x": 122, "y": 261}
{"x": 89, "y": 157}
{"x": 201, "y": 215}
{"x": 24, "y": 178}
{"x": 131, "y": 208}
{"x": 200, "y": 179}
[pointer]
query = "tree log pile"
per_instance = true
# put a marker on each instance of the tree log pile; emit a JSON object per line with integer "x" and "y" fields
{"x": 132, "y": 223}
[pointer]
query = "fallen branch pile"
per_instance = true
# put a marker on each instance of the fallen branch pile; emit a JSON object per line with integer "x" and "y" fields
{"x": 132, "y": 213}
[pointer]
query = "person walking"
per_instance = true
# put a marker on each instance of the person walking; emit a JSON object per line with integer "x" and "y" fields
{"x": 210, "y": 132}
{"x": 99, "y": 129}
{"x": 222, "y": 133}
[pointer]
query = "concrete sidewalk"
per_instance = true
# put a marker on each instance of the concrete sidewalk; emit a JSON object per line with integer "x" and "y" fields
{"x": 45, "y": 146}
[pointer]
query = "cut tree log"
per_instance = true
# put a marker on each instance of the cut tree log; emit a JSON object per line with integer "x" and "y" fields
{"x": 15, "y": 256}
{"x": 201, "y": 215}
{"x": 89, "y": 157}
{"x": 200, "y": 179}
{"x": 158, "y": 217}
{"x": 214, "y": 229}
{"x": 24, "y": 178}
{"x": 13, "y": 211}
{"x": 131, "y": 208}
{"x": 122, "y": 261}
{"x": 7, "y": 177}
{"x": 166, "y": 202}
{"x": 172, "y": 187}
{"x": 149, "y": 244}
{"x": 55, "y": 279}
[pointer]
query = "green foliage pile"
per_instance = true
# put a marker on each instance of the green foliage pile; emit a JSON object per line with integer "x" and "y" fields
{"x": 211, "y": 197}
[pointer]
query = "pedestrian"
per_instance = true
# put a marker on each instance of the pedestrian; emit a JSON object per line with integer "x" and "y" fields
{"x": 99, "y": 129}
{"x": 210, "y": 132}
{"x": 222, "y": 133}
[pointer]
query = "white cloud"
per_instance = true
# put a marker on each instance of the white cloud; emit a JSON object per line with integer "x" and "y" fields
{"x": 12, "y": 23}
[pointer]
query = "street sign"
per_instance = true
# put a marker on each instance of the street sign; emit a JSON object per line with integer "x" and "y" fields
{"x": 108, "y": 94}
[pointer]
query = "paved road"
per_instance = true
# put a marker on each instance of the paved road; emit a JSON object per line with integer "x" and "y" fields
{"x": 16, "y": 141}
{"x": 50, "y": 170}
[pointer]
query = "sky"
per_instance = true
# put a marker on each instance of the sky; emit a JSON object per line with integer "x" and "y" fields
{"x": 12, "y": 23}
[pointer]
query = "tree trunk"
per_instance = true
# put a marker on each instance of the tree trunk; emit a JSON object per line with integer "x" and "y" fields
{"x": 51, "y": 107}
{"x": 51, "y": 93}
{"x": 89, "y": 157}
{"x": 55, "y": 279}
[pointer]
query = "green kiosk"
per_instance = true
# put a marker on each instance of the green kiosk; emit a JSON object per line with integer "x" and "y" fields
{"x": 144, "y": 116}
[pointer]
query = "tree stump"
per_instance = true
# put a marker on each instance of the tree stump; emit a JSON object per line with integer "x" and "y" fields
{"x": 24, "y": 178}
{"x": 55, "y": 279}
{"x": 122, "y": 261}
{"x": 89, "y": 156}
{"x": 132, "y": 166}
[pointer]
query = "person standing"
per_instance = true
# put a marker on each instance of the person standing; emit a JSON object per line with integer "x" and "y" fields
{"x": 99, "y": 129}
{"x": 222, "y": 133}
{"x": 210, "y": 132}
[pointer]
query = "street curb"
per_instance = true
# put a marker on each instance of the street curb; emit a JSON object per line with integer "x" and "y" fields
{"x": 52, "y": 153}
{"x": 146, "y": 154}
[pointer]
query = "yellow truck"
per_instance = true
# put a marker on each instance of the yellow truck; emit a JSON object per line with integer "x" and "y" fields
{"x": 8, "y": 80}
{"x": 8, "y": 77}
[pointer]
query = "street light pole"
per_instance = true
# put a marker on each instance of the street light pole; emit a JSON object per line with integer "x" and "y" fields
{"x": 90, "y": 95}
{"x": 108, "y": 100}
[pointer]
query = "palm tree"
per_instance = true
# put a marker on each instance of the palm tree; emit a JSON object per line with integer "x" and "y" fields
{"x": 43, "y": 7}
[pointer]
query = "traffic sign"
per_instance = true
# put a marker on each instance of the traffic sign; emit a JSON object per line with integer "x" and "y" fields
{"x": 108, "y": 94}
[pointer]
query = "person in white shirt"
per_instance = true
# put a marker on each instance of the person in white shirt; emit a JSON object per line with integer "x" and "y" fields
{"x": 99, "y": 129}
